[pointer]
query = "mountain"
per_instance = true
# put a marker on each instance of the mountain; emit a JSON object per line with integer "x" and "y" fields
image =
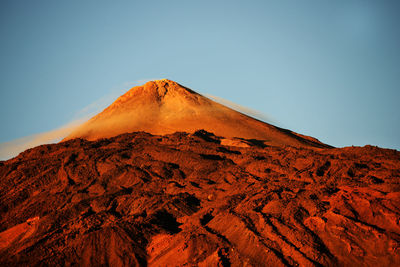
{"x": 196, "y": 198}
{"x": 165, "y": 107}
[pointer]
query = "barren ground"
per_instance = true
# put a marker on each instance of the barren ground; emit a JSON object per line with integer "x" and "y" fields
{"x": 186, "y": 199}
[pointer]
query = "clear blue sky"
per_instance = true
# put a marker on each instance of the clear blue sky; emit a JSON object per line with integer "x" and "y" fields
{"x": 329, "y": 69}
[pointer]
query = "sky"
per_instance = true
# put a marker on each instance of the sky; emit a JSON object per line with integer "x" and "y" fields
{"x": 328, "y": 69}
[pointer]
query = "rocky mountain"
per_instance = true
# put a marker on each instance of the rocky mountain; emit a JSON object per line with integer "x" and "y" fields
{"x": 195, "y": 198}
{"x": 165, "y": 107}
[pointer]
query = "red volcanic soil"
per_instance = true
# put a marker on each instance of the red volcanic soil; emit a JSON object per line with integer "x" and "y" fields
{"x": 193, "y": 199}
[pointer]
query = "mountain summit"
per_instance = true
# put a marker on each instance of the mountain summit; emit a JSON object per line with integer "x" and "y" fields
{"x": 165, "y": 107}
{"x": 235, "y": 197}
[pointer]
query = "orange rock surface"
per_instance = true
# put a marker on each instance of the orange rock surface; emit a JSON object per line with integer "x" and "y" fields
{"x": 186, "y": 199}
{"x": 249, "y": 195}
{"x": 165, "y": 107}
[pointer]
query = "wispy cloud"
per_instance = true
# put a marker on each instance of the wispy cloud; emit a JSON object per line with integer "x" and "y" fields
{"x": 98, "y": 105}
{"x": 242, "y": 109}
{"x": 13, "y": 148}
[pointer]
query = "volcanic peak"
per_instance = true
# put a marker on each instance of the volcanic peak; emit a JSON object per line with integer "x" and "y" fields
{"x": 154, "y": 92}
{"x": 164, "y": 107}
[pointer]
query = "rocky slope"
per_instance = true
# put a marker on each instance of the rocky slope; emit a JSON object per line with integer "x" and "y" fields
{"x": 165, "y": 107}
{"x": 194, "y": 199}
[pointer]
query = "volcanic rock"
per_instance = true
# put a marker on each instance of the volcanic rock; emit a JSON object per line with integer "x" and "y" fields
{"x": 167, "y": 177}
{"x": 184, "y": 199}
{"x": 165, "y": 107}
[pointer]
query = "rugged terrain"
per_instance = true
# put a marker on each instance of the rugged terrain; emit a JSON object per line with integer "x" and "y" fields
{"x": 141, "y": 184}
{"x": 194, "y": 199}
